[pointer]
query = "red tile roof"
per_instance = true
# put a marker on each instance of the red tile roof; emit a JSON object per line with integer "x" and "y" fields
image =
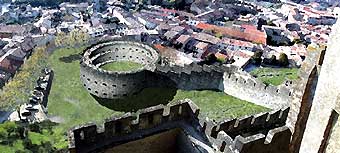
{"x": 159, "y": 47}
{"x": 183, "y": 38}
{"x": 10, "y": 65}
{"x": 201, "y": 45}
{"x": 236, "y": 42}
{"x": 250, "y": 33}
{"x": 168, "y": 10}
{"x": 219, "y": 55}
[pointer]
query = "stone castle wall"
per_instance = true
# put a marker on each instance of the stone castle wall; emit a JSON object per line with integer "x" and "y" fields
{"x": 194, "y": 76}
{"x": 228, "y": 79}
{"x": 269, "y": 136}
{"x": 109, "y": 84}
{"x": 118, "y": 129}
{"x": 264, "y": 132}
{"x": 325, "y": 101}
{"x": 246, "y": 87}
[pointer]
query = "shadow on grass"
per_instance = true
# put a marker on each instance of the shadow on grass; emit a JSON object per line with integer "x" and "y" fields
{"x": 146, "y": 98}
{"x": 70, "y": 58}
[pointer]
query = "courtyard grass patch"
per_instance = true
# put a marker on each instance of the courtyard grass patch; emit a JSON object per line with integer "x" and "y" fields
{"x": 122, "y": 66}
{"x": 275, "y": 76}
{"x": 218, "y": 105}
{"x": 68, "y": 99}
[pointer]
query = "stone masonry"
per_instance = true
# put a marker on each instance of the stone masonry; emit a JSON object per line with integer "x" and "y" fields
{"x": 225, "y": 78}
{"x": 264, "y": 132}
{"x": 323, "y": 112}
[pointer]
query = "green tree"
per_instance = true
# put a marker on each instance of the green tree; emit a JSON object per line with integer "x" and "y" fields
{"x": 257, "y": 57}
{"x": 219, "y": 35}
{"x": 17, "y": 90}
{"x": 283, "y": 59}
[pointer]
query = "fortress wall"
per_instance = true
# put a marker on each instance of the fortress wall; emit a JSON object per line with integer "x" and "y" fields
{"x": 251, "y": 124}
{"x": 270, "y": 135}
{"x": 45, "y": 83}
{"x": 112, "y": 85}
{"x": 118, "y": 130}
{"x": 122, "y": 53}
{"x": 89, "y": 137}
{"x": 325, "y": 100}
{"x": 189, "y": 77}
{"x": 109, "y": 84}
{"x": 248, "y": 88}
{"x": 277, "y": 140}
{"x": 194, "y": 76}
{"x": 229, "y": 80}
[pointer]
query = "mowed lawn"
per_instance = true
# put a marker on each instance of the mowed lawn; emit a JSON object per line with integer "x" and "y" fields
{"x": 71, "y": 104}
{"x": 69, "y": 101}
{"x": 218, "y": 105}
{"x": 275, "y": 76}
{"x": 122, "y": 66}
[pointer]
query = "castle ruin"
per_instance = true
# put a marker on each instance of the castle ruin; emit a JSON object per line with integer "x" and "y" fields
{"x": 305, "y": 116}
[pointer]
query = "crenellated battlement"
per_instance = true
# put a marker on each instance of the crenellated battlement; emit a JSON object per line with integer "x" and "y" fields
{"x": 89, "y": 136}
{"x": 229, "y": 79}
{"x": 250, "y": 124}
{"x": 264, "y": 131}
{"x": 247, "y": 81}
{"x": 244, "y": 86}
{"x": 236, "y": 134}
{"x": 194, "y": 67}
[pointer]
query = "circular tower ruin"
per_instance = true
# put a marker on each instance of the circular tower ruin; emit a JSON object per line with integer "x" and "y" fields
{"x": 116, "y": 84}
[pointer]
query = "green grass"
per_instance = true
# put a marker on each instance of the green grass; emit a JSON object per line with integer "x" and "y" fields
{"x": 279, "y": 75}
{"x": 122, "y": 66}
{"x": 218, "y": 105}
{"x": 70, "y": 101}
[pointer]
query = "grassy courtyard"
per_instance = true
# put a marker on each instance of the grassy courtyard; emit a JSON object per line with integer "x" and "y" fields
{"x": 218, "y": 105}
{"x": 275, "y": 76}
{"x": 73, "y": 105}
{"x": 122, "y": 66}
{"x": 70, "y": 104}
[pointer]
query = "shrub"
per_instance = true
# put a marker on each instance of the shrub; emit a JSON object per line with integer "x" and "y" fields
{"x": 283, "y": 60}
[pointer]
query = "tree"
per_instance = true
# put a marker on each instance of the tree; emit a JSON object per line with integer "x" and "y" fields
{"x": 60, "y": 39}
{"x": 283, "y": 59}
{"x": 219, "y": 35}
{"x": 260, "y": 23}
{"x": 76, "y": 36}
{"x": 257, "y": 57}
{"x": 18, "y": 90}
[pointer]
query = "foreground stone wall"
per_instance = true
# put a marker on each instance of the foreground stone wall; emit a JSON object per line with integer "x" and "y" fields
{"x": 303, "y": 95}
{"x": 264, "y": 132}
{"x": 129, "y": 127}
{"x": 320, "y": 122}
